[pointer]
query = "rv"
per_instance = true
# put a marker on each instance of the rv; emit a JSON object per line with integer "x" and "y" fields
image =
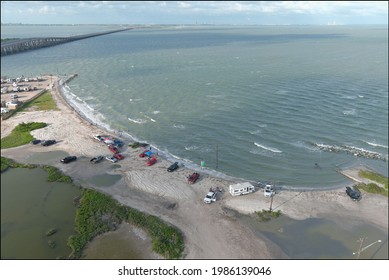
{"x": 241, "y": 188}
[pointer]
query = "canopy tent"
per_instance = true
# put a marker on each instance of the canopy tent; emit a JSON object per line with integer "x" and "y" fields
{"x": 148, "y": 153}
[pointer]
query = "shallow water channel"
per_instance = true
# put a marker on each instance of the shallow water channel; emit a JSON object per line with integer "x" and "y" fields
{"x": 321, "y": 238}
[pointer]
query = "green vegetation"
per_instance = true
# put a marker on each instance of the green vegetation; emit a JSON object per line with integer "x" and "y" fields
{"x": 20, "y": 135}
{"x": 55, "y": 175}
{"x": 43, "y": 102}
{"x": 166, "y": 240}
{"x": 267, "y": 215}
{"x": 137, "y": 145}
{"x": 9, "y": 39}
{"x": 372, "y": 188}
{"x": 51, "y": 231}
{"x": 374, "y": 177}
{"x": 7, "y": 163}
{"x": 99, "y": 213}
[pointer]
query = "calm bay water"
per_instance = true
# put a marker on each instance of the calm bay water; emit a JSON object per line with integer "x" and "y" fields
{"x": 248, "y": 101}
{"x": 30, "y": 206}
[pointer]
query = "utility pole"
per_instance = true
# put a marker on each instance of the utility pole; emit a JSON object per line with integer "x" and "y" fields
{"x": 271, "y": 202}
{"x": 217, "y": 156}
{"x": 271, "y": 198}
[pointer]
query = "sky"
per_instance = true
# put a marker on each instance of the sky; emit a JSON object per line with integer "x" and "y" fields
{"x": 196, "y": 12}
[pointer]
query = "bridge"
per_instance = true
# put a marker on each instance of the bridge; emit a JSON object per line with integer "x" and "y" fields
{"x": 22, "y": 45}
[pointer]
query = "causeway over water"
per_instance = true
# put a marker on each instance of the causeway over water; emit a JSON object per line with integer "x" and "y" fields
{"x": 22, "y": 45}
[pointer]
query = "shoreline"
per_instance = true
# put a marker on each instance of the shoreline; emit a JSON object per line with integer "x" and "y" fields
{"x": 154, "y": 191}
{"x": 59, "y": 84}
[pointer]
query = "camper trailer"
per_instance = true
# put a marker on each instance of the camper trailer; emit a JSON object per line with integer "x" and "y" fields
{"x": 241, "y": 188}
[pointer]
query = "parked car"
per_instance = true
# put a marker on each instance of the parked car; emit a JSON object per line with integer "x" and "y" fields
{"x": 48, "y": 142}
{"x": 193, "y": 178}
{"x": 96, "y": 159}
{"x": 173, "y": 167}
{"x": 113, "y": 149}
{"x": 98, "y": 138}
{"x": 354, "y": 193}
{"x": 210, "y": 197}
{"x": 68, "y": 159}
{"x": 151, "y": 161}
{"x": 146, "y": 153}
{"x": 111, "y": 159}
{"x": 118, "y": 156}
{"x": 35, "y": 141}
{"x": 268, "y": 191}
{"x": 118, "y": 143}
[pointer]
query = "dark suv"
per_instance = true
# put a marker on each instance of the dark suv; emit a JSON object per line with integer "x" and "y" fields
{"x": 48, "y": 142}
{"x": 354, "y": 193}
{"x": 173, "y": 167}
{"x": 68, "y": 159}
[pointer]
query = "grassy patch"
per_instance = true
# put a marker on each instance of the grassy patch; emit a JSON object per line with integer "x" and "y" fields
{"x": 20, "y": 135}
{"x": 7, "y": 163}
{"x": 267, "y": 215}
{"x": 372, "y": 188}
{"x": 98, "y": 213}
{"x": 55, "y": 175}
{"x": 374, "y": 177}
{"x": 42, "y": 103}
{"x": 136, "y": 145}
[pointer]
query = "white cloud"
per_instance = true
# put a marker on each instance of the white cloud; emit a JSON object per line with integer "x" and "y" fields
{"x": 215, "y": 11}
{"x": 46, "y": 10}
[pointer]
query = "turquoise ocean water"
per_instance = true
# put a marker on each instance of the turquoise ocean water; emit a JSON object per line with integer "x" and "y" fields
{"x": 249, "y": 101}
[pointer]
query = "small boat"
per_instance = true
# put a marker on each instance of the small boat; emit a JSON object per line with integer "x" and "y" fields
{"x": 193, "y": 178}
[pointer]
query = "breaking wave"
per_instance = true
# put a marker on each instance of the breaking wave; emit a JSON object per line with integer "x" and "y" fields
{"x": 376, "y": 145}
{"x": 274, "y": 150}
{"x": 138, "y": 121}
{"x": 349, "y": 112}
{"x": 151, "y": 119}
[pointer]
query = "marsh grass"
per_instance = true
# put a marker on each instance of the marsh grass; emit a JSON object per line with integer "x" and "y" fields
{"x": 20, "y": 135}
{"x": 43, "y": 103}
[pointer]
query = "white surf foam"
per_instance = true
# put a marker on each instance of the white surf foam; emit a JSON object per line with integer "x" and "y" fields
{"x": 349, "y": 112}
{"x": 151, "y": 119}
{"x": 274, "y": 150}
{"x": 138, "y": 121}
{"x": 179, "y": 126}
{"x": 376, "y": 145}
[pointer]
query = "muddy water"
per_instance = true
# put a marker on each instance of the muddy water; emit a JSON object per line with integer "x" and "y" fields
{"x": 30, "y": 206}
{"x": 127, "y": 242}
{"x": 322, "y": 238}
{"x": 104, "y": 180}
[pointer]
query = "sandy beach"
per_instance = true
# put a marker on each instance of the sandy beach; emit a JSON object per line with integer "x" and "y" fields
{"x": 210, "y": 231}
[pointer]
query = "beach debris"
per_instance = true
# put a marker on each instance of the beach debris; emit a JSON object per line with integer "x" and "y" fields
{"x": 51, "y": 243}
